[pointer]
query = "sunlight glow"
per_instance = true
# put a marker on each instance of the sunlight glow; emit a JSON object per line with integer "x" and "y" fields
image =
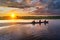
{"x": 13, "y": 15}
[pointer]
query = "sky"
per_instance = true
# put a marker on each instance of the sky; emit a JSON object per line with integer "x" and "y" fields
{"x": 18, "y": 0}
{"x": 53, "y": 7}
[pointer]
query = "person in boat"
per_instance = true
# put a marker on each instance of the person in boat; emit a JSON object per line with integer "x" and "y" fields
{"x": 39, "y": 21}
{"x": 33, "y": 22}
{"x": 45, "y": 21}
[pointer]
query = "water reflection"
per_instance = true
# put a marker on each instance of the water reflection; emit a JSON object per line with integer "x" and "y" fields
{"x": 41, "y": 23}
{"x": 49, "y": 31}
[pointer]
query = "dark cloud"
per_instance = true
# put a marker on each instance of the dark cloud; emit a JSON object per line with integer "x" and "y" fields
{"x": 54, "y": 7}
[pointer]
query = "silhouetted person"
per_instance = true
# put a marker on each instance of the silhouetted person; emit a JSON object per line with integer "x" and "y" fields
{"x": 45, "y": 21}
{"x": 39, "y": 21}
{"x": 33, "y": 22}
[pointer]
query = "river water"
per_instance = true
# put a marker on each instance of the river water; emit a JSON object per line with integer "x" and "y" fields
{"x": 49, "y": 31}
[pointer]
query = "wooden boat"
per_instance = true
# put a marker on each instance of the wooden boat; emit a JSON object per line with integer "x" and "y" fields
{"x": 31, "y": 22}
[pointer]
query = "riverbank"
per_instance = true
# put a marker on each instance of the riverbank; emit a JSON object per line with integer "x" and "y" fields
{"x": 39, "y": 17}
{"x": 31, "y": 17}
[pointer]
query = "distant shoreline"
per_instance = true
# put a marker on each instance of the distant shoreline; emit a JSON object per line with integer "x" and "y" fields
{"x": 31, "y": 17}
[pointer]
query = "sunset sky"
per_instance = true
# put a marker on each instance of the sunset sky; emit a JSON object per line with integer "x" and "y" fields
{"x": 53, "y": 7}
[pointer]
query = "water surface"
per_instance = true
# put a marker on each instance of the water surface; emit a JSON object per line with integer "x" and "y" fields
{"x": 50, "y": 31}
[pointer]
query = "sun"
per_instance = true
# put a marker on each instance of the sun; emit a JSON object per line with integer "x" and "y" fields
{"x": 13, "y": 15}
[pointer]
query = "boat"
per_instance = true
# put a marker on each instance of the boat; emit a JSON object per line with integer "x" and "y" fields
{"x": 33, "y": 22}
